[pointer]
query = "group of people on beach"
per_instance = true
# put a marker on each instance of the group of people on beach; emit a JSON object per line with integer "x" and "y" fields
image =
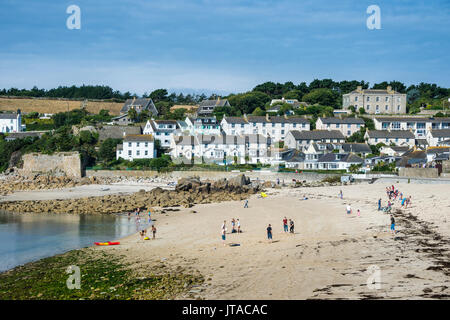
{"x": 393, "y": 194}
{"x": 142, "y": 228}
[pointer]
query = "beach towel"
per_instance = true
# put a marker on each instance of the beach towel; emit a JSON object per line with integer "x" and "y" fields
{"x": 263, "y": 194}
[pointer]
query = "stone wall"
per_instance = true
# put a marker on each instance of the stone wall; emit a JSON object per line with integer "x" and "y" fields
{"x": 212, "y": 175}
{"x": 62, "y": 163}
{"x": 418, "y": 172}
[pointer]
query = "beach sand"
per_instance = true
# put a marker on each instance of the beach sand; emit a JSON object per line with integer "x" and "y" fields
{"x": 329, "y": 255}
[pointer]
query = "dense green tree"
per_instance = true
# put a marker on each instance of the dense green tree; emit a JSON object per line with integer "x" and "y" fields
{"x": 323, "y": 96}
{"x": 107, "y": 150}
{"x": 159, "y": 95}
{"x": 249, "y": 101}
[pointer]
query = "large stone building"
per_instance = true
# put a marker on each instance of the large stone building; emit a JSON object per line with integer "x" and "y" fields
{"x": 375, "y": 101}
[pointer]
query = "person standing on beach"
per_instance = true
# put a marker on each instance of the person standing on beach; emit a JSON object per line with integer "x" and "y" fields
{"x": 392, "y": 224}
{"x": 285, "y": 224}
{"x": 149, "y": 215}
{"x": 246, "y": 203}
{"x": 349, "y": 209}
{"x": 238, "y": 226}
{"x": 408, "y": 202}
{"x": 233, "y": 230}
{"x": 224, "y": 225}
{"x": 403, "y": 201}
{"x": 154, "y": 231}
{"x": 341, "y": 195}
{"x": 269, "y": 233}
{"x": 379, "y": 204}
{"x": 291, "y": 226}
{"x": 358, "y": 213}
{"x": 224, "y": 236}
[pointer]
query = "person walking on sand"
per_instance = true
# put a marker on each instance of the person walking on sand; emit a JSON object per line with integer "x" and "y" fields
{"x": 403, "y": 201}
{"x": 154, "y": 231}
{"x": 291, "y": 226}
{"x": 379, "y": 204}
{"x": 285, "y": 224}
{"x": 246, "y": 203}
{"x": 358, "y": 213}
{"x": 349, "y": 209}
{"x": 341, "y": 195}
{"x": 224, "y": 225}
{"x": 392, "y": 224}
{"x": 269, "y": 233}
{"x": 238, "y": 226}
{"x": 408, "y": 202}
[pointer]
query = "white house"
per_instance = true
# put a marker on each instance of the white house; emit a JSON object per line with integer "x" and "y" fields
{"x": 11, "y": 122}
{"x": 420, "y": 126}
{"x": 202, "y": 125}
{"x": 234, "y": 125}
{"x": 394, "y": 151}
{"x": 302, "y": 139}
{"x": 347, "y": 126}
{"x": 139, "y": 146}
{"x": 398, "y": 138}
{"x": 436, "y": 137}
{"x": 161, "y": 130}
{"x": 220, "y": 149}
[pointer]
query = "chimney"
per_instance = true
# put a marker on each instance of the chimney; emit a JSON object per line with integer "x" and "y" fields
{"x": 340, "y": 116}
{"x": 389, "y": 89}
{"x": 359, "y": 88}
{"x": 267, "y": 117}
{"x": 124, "y": 134}
{"x": 285, "y": 116}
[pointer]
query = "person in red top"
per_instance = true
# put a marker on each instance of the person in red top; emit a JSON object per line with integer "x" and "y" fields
{"x": 285, "y": 225}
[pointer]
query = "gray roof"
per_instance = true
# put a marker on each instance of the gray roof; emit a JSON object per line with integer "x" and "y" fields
{"x": 213, "y": 103}
{"x": 438, "y": 150}
{"x": 282, "y": 119}
{"x": 394, "y": 134}
{"x": 117, "y": 132}
{"x": 236, "y": 120}
{"x": 22, "y": 135}
{"x": 221, "y": 139}
{"x": 340, "y": 157}
{"x": 138, "y": 138}
{"x": 8, "y": 115}
{"x": 347, "y": 120}
{"x": 356, "y": 147}
{"x": 317, "y": 134}
{"x": 260, "y": 119}
{"x": 293, "y": 155}
{"x": 376, "y": 91}
{"x": 443, "y": 133}
{"x": 399, "y": 148}
{"x": 145, "y": 103}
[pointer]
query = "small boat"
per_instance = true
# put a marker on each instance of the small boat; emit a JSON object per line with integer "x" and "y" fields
{"x": 109, "y": 243}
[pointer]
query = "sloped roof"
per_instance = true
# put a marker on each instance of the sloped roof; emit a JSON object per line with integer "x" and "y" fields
{"x": 339, "y": 157}
{"x": 8, "y": 116}
{"x": 394, "y": 134}
{"x": 293, "y": 155}
{"x": 213, "y": 103}
{"x": 356, "y": 147}
{"x": 146, "y": 103}
{"x": 138, "y": 138}
{"x": 442, "y": 133}
{"x": 412, "y": 119}
{"x": 347, "y": 120}
{"x": 186, "y": 140}
{"x": 236, "y": 120}
{"x": 317, "y": 134}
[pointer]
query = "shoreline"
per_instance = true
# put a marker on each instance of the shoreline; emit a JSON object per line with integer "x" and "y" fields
{"x": 327, "y": 257}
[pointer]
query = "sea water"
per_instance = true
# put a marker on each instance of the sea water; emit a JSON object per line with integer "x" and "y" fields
{"x": 29, "y": 237}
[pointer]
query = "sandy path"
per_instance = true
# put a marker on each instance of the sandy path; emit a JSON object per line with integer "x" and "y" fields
{"x": 327, "y": 257}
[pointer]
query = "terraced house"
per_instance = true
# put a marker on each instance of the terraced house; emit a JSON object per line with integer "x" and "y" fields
{"x": 221, "y": 149}
{"x": 420, "y": 126}
{"x": 303, "y": 139}
{"x": 398, "y": 138}
{"x": 438, "y": 137}
{"x": 347, "y": 126}
{"x": 276, "y": 127}
{"x": 375, "y": 101}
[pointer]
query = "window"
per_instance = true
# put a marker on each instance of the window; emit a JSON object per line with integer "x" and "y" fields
{"x": 129, "y": 152}
{"x": 368, "y": 98}
{"x": 146, "y": 152}
{"x": 138, "y": 152}
{"x": 398, "y": 108}
{"x": 356, "y": 98}
{"x": 349, "y": 133}
{"x": 294, "y": 125}
{"x": 386, "y": 99}
{"x": 337, "y": 125}
{"x": 129, "y": 144}
{"x": 137, "y": 144}
{"x": 377, "y": 99}
{"x": 368, "y": 107}
{"x": 282, "y": 131}
{"x": 146, "y": 144}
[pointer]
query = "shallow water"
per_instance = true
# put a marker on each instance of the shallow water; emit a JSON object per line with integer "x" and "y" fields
{"x": 30, "y": 237}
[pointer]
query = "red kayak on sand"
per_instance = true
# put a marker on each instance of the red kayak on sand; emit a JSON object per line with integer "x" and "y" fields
{"x": 109, "y": 243}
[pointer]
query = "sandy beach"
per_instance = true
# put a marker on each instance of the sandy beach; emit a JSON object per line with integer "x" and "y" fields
{"x": 326, "y": 258}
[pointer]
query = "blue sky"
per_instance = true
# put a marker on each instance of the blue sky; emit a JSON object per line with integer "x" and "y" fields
{"x": 221, "y": 45}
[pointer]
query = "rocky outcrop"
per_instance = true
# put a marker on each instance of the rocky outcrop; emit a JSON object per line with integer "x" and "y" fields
{"x": 189, "y": 191}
